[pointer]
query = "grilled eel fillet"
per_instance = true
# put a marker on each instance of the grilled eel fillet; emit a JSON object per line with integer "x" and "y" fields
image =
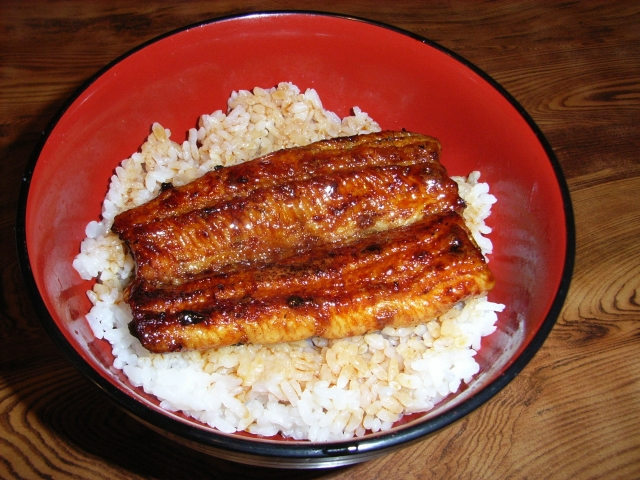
{"x": 335, "y": 239}
{"x": 287, "y": 202}
{"x": 398, "y": 277}
{"x": 303, "y": 163}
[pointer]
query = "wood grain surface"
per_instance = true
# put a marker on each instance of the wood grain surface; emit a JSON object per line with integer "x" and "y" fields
{"x": 573, "y": 413}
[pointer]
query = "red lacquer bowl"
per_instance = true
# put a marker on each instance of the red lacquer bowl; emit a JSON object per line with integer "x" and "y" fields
{"x": 402, "y": 81}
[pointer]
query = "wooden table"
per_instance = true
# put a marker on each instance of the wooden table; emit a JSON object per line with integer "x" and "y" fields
{"x": 574, "y": 412}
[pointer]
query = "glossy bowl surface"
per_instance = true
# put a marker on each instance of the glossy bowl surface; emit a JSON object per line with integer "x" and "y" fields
{"x": 402, "y": 81}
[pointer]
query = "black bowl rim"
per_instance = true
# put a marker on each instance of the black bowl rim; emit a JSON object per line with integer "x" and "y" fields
{"x": 296, "y": 450}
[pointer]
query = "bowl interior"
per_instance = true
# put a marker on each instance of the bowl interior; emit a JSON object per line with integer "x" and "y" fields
{"x": 400, "y": 81}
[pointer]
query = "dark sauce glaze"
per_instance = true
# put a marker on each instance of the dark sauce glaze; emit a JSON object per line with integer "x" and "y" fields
{"x": 335, "y": 239}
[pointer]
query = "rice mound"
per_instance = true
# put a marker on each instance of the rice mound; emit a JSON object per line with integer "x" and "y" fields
{"x": 315, "y": 389}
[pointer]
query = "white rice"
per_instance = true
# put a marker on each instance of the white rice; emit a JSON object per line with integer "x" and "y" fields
{"x": 315, "y": 389}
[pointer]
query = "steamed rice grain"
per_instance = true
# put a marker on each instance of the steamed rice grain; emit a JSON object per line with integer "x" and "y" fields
{"x": 316, "y": 389}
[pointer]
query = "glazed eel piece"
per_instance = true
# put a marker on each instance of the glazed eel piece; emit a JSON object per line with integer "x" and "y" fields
{"x": 398, "y": 277}
{"x": 287, "y": 202}
{"x": 286, "y": 165}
